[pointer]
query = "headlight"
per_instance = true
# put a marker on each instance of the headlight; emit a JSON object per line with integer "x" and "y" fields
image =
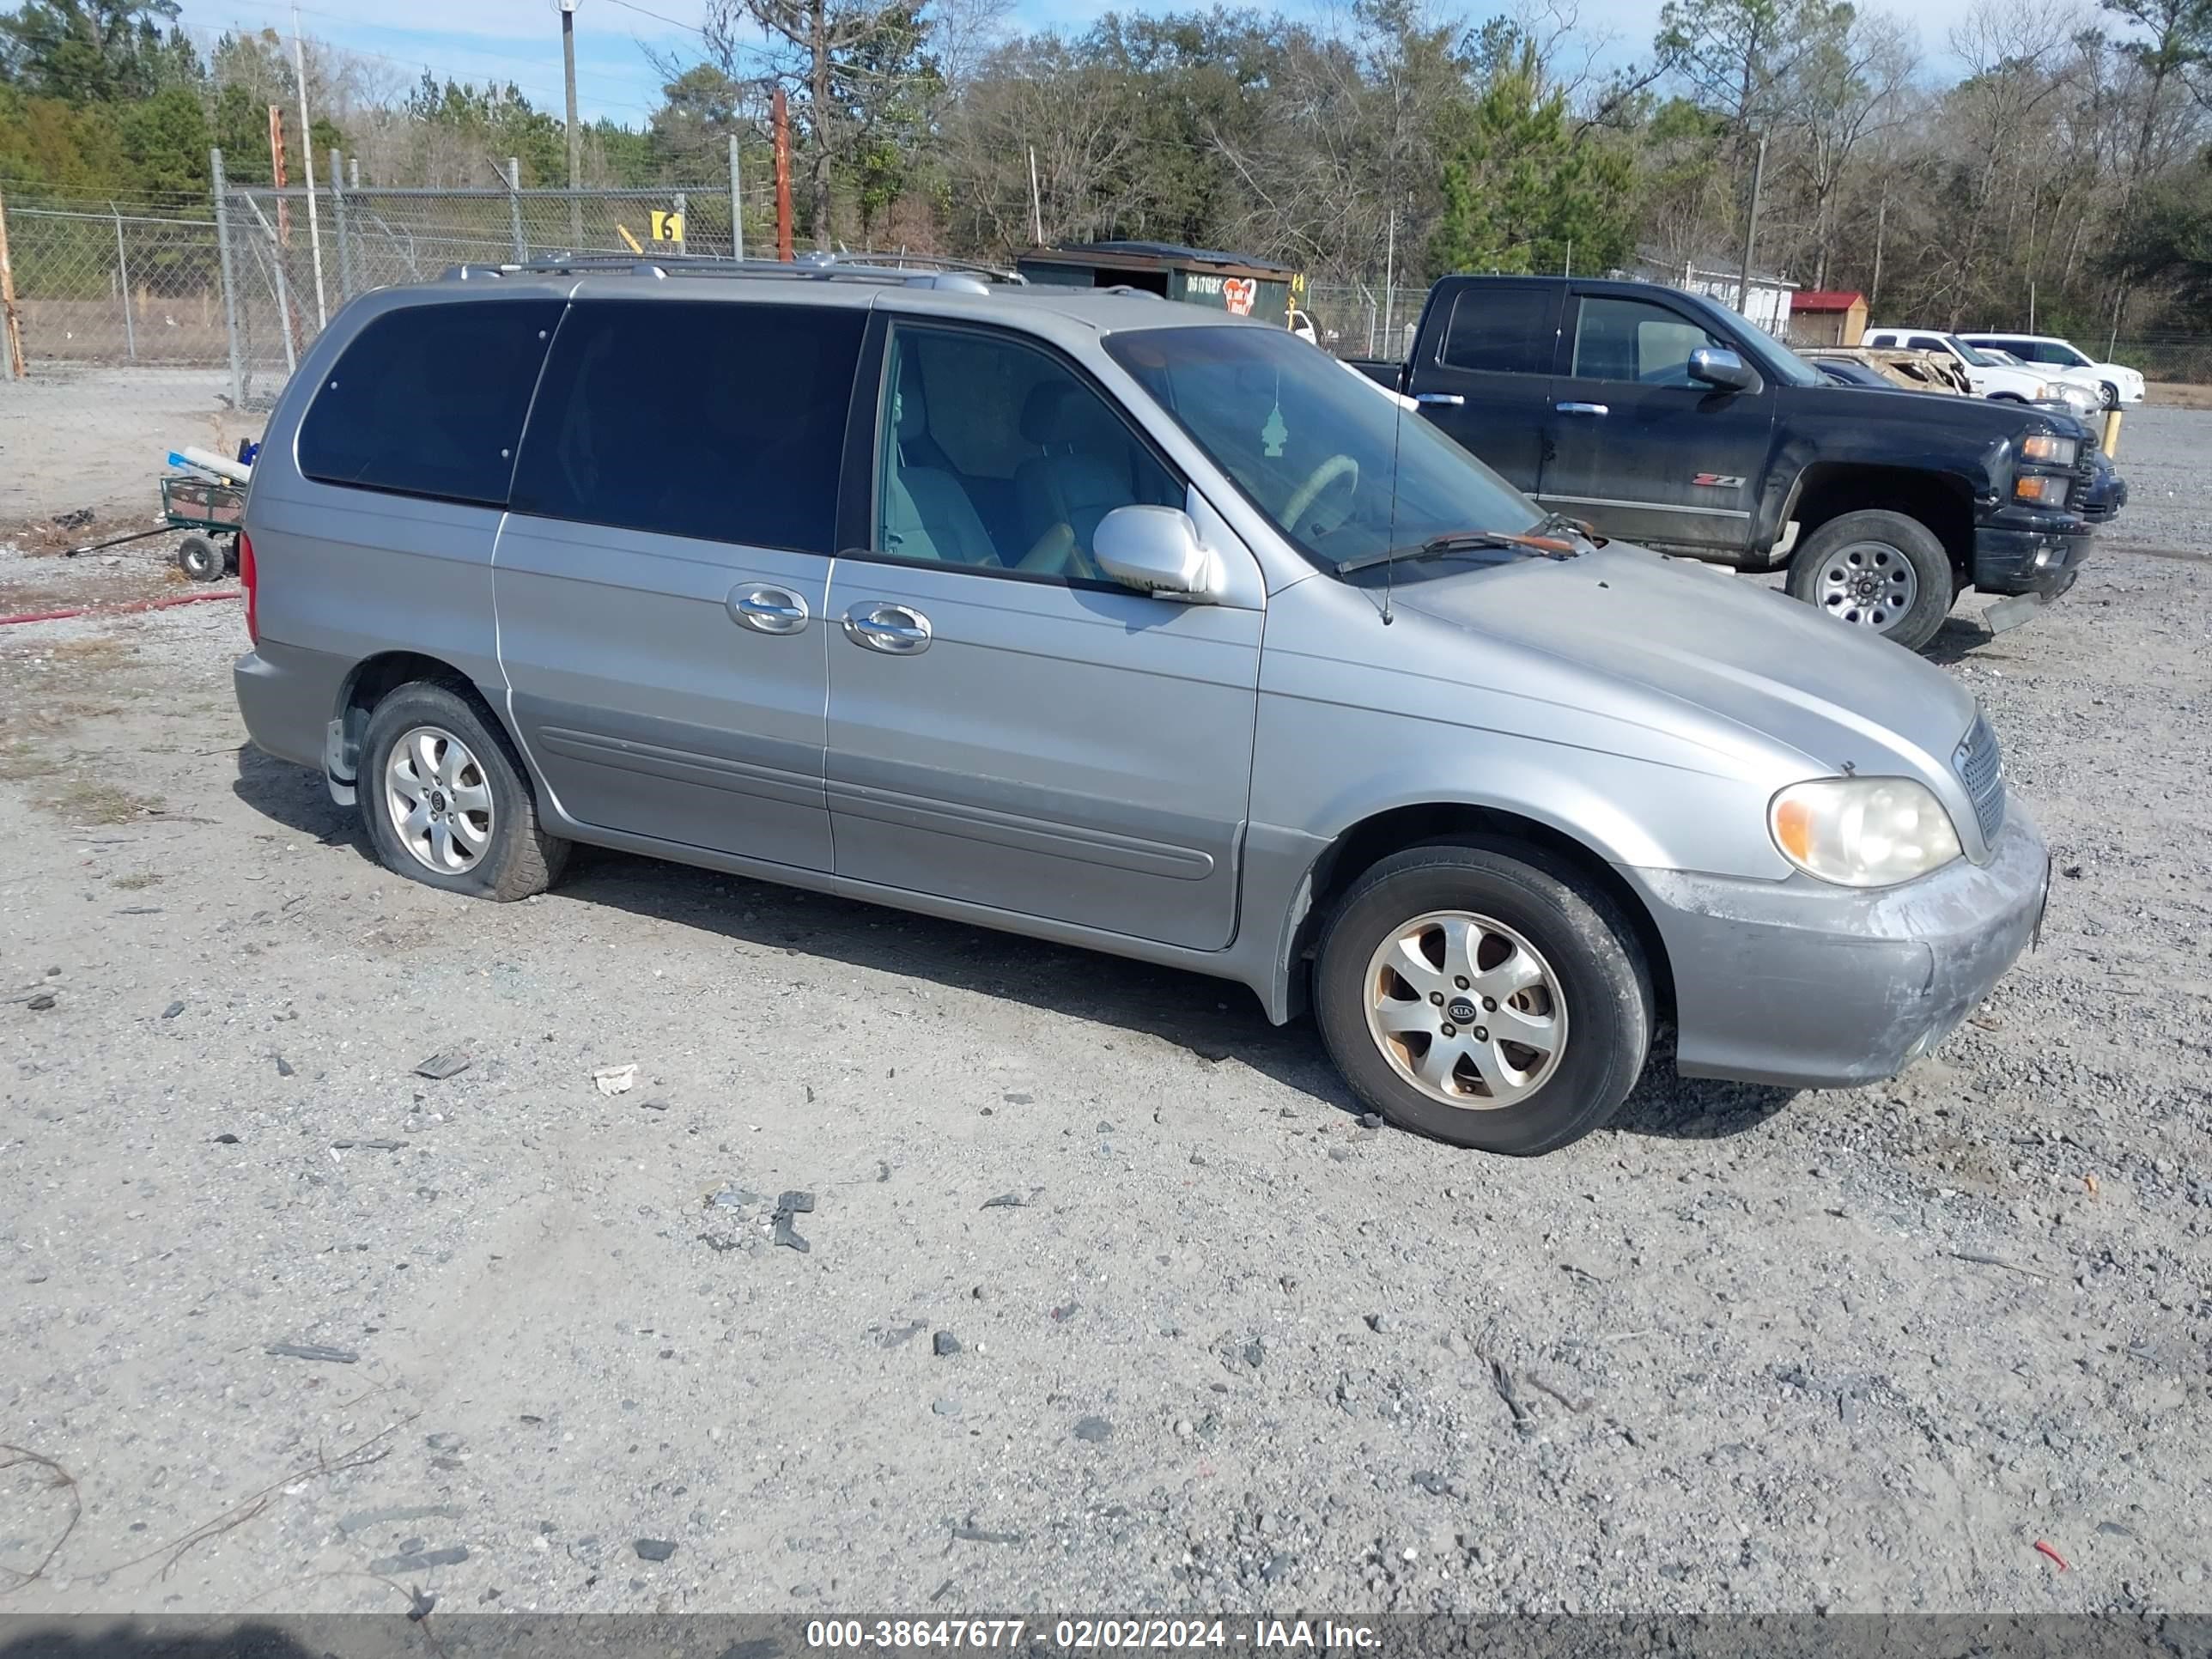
{"x": 2049, "y": 448}
{"x": 1863, "y": 832}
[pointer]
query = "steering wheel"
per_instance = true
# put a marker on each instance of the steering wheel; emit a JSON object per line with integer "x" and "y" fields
{"x": 1335, "y": 467}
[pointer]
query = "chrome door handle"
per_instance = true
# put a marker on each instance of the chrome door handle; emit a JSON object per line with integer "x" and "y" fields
{"x": 1451, "y": 397}
{"x": 767, "y": 610}
{"x": 881, "y": 626}
{"x": 1583, "y": 408}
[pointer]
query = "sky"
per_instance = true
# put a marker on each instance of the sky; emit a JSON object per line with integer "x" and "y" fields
{"x": 519, "y": 40}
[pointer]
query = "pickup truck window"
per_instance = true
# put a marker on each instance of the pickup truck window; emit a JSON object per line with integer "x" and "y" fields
{"x": 1930, "y": 343}
{"x": 1635, "y": 341}
{"x": 1341, "y": 466}
{"x": 1511, "y": 331}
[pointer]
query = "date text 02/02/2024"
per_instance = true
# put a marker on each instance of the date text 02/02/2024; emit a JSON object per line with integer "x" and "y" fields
{"x": 1090, "y": 1635}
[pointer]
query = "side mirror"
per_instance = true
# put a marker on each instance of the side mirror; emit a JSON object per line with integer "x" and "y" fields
{"x": 1716, "y": 366}
{"x": 1155, "y": 549}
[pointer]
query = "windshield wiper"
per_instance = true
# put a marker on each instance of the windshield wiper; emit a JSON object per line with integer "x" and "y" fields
{"x": 1549, "y": 539}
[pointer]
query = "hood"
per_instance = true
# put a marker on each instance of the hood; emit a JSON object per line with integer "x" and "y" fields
{"x": 1979, "y": 417}
{"x": 1718, "y": 648}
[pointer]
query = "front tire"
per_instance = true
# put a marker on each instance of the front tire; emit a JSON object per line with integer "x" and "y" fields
{"x": 1877, "y": 570}
{"x": 1479, "y": 993}
{"x": 446, "y": 803}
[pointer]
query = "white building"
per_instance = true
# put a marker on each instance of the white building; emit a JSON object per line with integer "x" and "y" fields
{"x": 1766, "y": 303}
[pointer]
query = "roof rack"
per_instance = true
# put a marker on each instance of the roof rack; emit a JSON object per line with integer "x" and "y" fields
{"x": 819, "y": 266}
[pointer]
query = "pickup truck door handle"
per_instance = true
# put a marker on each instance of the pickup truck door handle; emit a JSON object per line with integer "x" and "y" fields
{"x": 1583, "y": 408}
{"x": 1451, "y": 397}
{"x": 897, "y": 629}
{"x": 767, "y": 610}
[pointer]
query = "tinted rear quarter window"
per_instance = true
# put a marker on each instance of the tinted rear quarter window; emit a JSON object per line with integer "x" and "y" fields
{"x": 430, "y": 400}
{"x": 718, "y": 420}
{"x": 1509, "y": 330}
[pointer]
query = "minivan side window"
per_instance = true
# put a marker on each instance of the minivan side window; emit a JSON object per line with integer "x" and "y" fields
{"x": 430, "y": 400}
{"x": 1513, "y": 331}
{"x": 995, "y": 455}
{"x": 722, "y": 421}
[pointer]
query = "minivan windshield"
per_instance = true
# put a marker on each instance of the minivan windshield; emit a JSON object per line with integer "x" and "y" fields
{"x": 1345, "y": 470}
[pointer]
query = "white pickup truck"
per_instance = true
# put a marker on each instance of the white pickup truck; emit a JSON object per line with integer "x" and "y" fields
{"x": 1989, "y": 378}
{"x": 2115, "y": 384}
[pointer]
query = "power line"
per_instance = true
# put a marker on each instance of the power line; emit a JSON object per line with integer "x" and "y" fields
{"x": 659, "y": 17}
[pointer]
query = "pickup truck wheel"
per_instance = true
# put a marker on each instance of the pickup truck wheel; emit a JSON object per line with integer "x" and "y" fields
{"x": 446, "y": 804}
{"x": 1877, "y": 570}
{"x": 1480, "y": 994}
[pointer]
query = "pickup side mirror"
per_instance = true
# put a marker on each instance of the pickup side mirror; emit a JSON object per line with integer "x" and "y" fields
{"x": 1716, "y": 366}
{"x": 1156, "y": 551}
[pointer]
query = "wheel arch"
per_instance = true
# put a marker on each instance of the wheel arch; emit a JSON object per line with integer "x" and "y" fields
{"x": 373, "y": 679}
{"x": 1361, "y": 845}
{"x": 1941, "y": 500}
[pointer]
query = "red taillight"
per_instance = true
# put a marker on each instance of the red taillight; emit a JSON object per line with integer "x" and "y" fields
{"x": 248, "y": 580}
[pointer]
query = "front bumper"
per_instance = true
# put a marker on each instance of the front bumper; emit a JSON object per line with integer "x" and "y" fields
{"x": 2040, "y": 553}
{"x": 1806, "y": 985}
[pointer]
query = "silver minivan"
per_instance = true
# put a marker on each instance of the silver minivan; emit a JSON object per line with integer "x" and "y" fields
{"x": 1119, "y": 623}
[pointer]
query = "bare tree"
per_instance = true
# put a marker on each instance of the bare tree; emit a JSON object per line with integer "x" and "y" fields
{"x": 848, "y": 64}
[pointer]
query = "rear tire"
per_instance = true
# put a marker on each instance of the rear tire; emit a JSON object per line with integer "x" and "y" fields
{"x": 1879, "y": 570}
{"x": 1584, "y": 999}
{"x": 447, "y": 802}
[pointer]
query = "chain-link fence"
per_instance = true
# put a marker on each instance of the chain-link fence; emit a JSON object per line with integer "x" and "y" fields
{"x": 245, "y": 278}
{"x": 1362, "y": 320}
{"x": 96, "y": 284}
{"x": 290, "y": 271}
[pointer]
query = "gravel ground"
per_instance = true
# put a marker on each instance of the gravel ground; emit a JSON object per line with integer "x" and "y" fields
{"x": 1107, "y": 1300}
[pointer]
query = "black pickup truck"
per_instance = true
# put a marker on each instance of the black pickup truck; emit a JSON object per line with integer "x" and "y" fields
{"x": 1661, "y": 417}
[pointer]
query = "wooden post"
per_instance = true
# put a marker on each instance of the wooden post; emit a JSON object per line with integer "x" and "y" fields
{"x": 11, "y": 319}
{"x": 780, "y": 115}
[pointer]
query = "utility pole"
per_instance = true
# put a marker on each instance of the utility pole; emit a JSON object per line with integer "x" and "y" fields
{"x": 308, "y": 161}
{"x": 780, "y": 117}
{"x": 1036, "y": 204}
{"x": 1880, "y": 223}
{"x": 1751, "y": 230}
{"x": 575, "y": 140}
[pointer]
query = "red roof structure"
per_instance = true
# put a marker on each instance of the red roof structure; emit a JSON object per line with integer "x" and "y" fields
{"x": 1825, "y": 300}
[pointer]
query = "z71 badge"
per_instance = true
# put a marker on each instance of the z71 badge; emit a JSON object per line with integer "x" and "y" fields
{"x": 1716, "y": 480}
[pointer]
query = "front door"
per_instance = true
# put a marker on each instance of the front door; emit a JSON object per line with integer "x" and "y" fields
{"x": 1489, "y": 381}
{"x": 1638, "y": 447}
{"x": 1006, "y": 727}
{"x": 662, "y": 580}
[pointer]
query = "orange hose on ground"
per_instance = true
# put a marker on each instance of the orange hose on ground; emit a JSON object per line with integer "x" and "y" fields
{"x": 120, "y": 610}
